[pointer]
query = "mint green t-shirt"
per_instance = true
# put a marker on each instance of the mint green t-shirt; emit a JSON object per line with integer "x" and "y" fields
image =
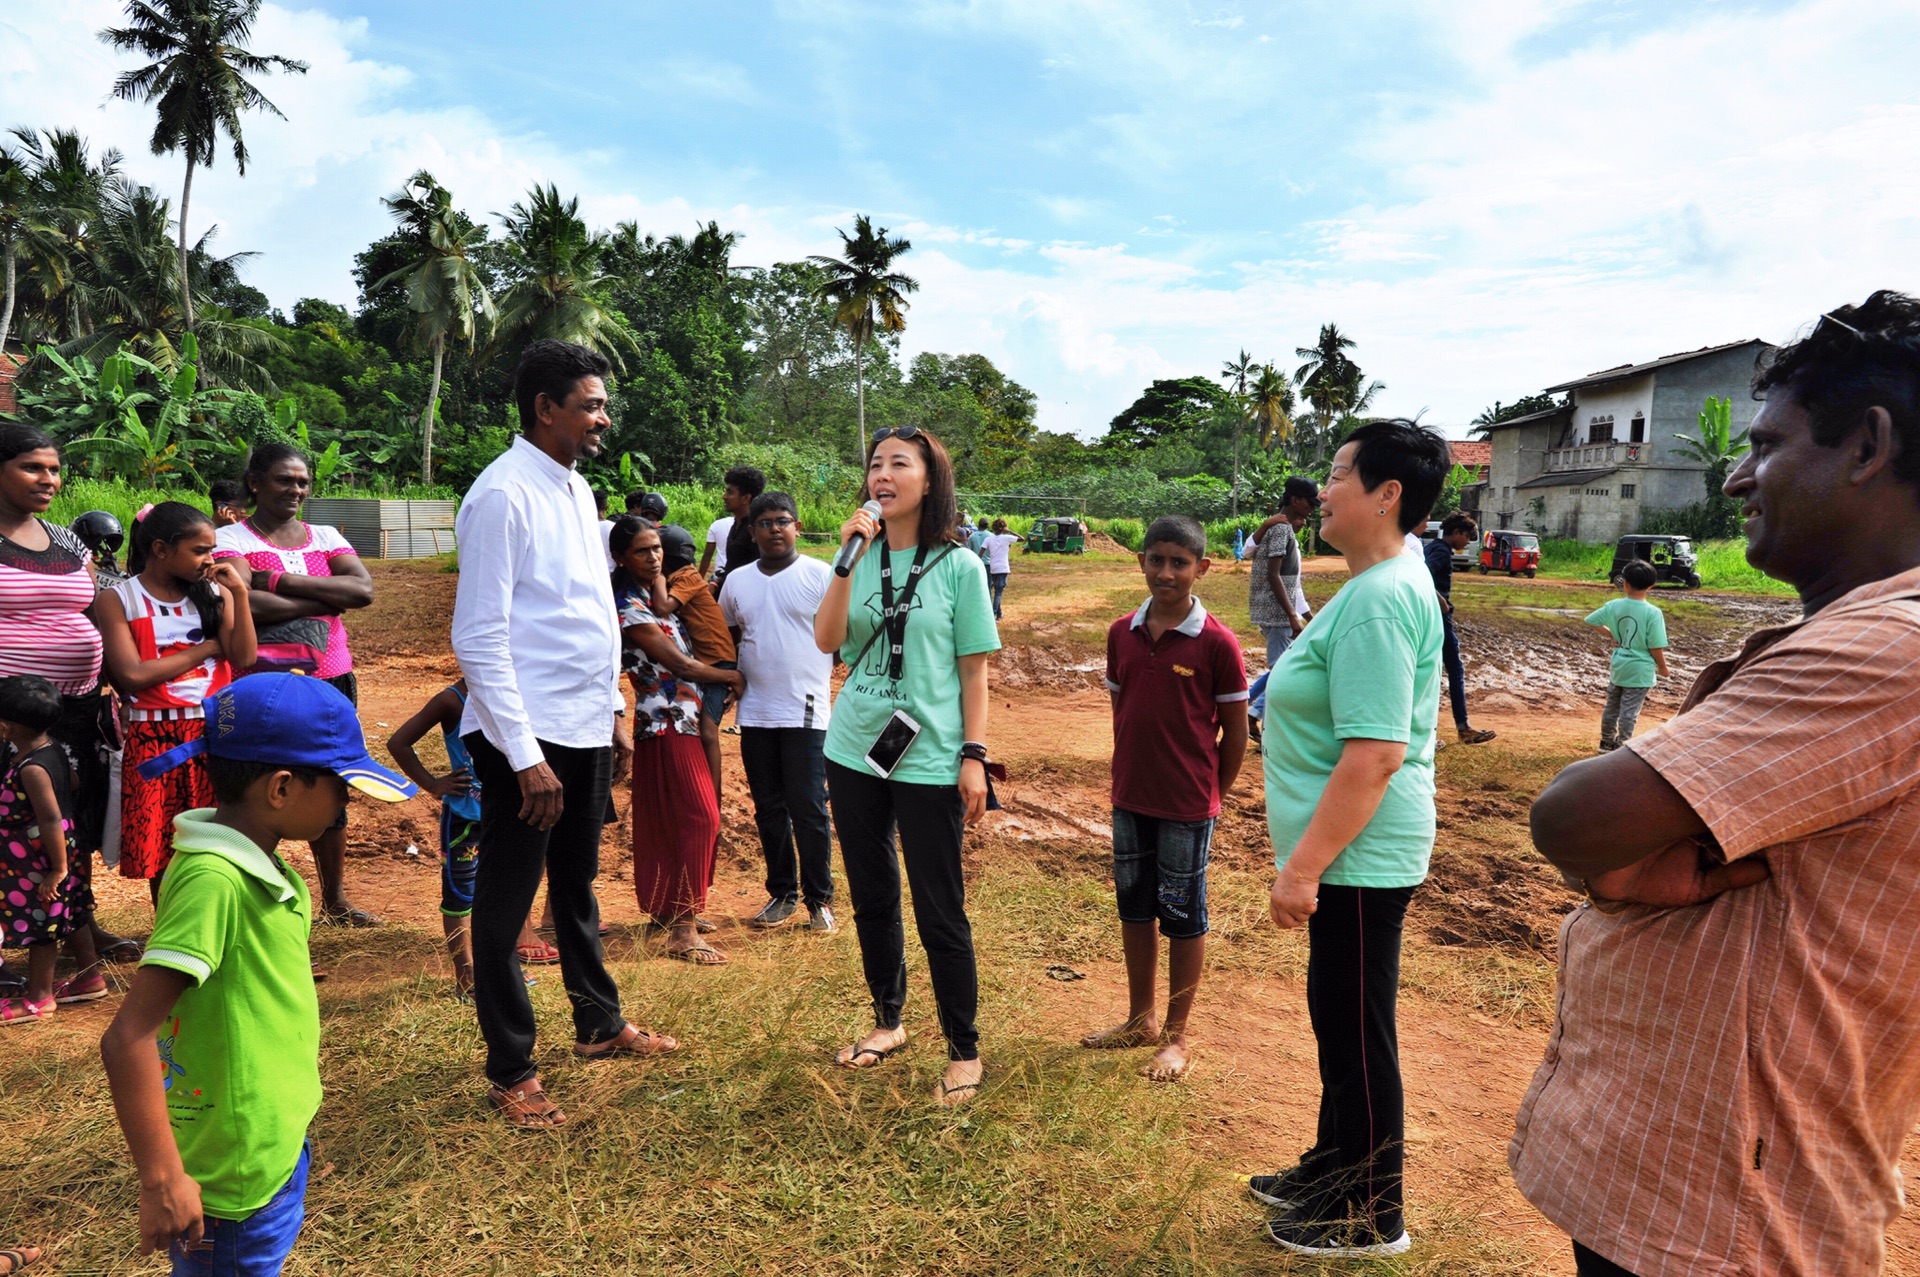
{"x": 1637, "y": 627}
{"x": 951, "y": 616}
{"x": 1367, "y": 668}
{"x": 241, "y": 1056}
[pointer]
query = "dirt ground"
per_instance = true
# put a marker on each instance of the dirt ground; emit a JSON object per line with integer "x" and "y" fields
{"x": 1466, "y": 1071}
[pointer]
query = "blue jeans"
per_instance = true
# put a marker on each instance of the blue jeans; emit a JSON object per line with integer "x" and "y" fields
{"x": 1456, "y": 673}
{"x": 1160, "y": 872}
{"x": 256, "y": 1246}
{"x": 998, "y": 580}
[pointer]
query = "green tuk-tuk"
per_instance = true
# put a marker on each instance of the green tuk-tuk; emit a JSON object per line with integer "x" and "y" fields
{"x": 1056, "y": 536}
{"x": 1672, "y": 559}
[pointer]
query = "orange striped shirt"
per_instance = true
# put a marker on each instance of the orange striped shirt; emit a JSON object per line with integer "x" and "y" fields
{"x": 1728, "y": 1085}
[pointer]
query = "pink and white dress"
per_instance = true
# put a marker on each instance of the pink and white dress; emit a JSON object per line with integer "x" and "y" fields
{"x": 312, "y": 558}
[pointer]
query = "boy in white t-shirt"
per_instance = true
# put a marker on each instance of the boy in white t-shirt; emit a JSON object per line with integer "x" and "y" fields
{"x": 769, "y": 604}
{"x": 999, "y": 548}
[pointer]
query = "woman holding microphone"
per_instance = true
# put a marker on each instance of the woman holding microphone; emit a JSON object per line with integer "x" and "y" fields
{"x": 905, "y": 747}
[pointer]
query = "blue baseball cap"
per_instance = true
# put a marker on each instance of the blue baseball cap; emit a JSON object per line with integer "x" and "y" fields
{"x": 288, "y": 720}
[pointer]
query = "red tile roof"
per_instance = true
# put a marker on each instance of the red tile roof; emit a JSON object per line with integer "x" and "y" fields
{"x": 1474, "y": 454}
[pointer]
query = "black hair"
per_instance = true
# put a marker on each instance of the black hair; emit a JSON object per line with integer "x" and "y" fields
{"x": 232, "y": 777}
{"x": 747, "y": 481}
{"x": 228, "y": 492}
{"x": 600, "y": 500}
{"x": 1298, "y": 486}
{"x": 771, "y": 501}
{"x": 264, "y": 458}
{"x": 553, "y": 368}
{"x": 648, "y": 505}
{"x": 1182, "y": 530}
{"x": 17, "y": 437}
{"x": 1856, "y": 358}
{"x": 983, "y": 521}
{"x": 999, "y": 525}
{"x": 165, "y": 524}
{"x": 619, "y": 537}
{"x": 1459, "y": 521}
{"x": 1640, "y": 575}
{"x": 30, "y": 701}
{"x": 1395, "y": 448}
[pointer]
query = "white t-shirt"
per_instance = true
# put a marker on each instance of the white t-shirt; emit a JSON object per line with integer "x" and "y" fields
{"x": 717, "y": 537}
{"x": 999, "y": 546}
{"x": 606, "y": 541}
{"x": 787, "y": 676}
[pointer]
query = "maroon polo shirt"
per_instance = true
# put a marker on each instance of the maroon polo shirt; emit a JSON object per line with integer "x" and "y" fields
{"x": 1166, "y": 721}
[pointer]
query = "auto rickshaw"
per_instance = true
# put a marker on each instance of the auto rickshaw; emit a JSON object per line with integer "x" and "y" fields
{"x": 1509, "y": 551}
{"x": 1056, "y": 536}
{"x": 1671, "y": 557}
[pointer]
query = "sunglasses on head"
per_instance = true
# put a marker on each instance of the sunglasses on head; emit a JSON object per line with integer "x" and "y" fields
{"x": 1834, "y": 319}
{"x": 895, "y": 432}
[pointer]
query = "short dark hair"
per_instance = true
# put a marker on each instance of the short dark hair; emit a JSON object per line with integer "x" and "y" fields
{"x": 18, "y": 437}
{"x": 264, "y": 458}
{"x": 649, "y": 504}
{"x": 30, "y": 701}
{"x": 1639, "y": 574}
{"x": 600, "y": 500}
{"x": 1396, "y": 448}
{"x": 1459, "y": 521}
{"x": 553, "y": 368}
{"x": 228, "y": 492}
{"x": 771, "y": 501}
{"x": 232, "y": 777}
{"x": 1182, "y": 530}
{"x": 747, "y": 481}
{"x": 1856, "y": 358}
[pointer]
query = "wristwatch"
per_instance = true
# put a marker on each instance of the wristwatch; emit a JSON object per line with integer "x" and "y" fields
{"x": 975, "y": 750}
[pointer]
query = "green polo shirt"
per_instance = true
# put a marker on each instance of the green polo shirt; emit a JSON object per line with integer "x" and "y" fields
{"x": 241, "y": 1056}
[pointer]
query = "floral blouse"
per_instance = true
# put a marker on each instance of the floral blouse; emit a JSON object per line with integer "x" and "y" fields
{"x": 661, "y": 701}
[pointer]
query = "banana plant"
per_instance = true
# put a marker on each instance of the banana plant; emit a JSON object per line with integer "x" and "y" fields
{"x": 126, "y": 444}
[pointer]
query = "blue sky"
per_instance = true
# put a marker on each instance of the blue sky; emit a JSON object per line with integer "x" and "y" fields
{"x": 1490, "y": 195}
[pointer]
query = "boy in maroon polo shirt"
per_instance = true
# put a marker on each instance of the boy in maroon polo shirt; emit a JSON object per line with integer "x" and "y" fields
{"x": 1179, "y": 690}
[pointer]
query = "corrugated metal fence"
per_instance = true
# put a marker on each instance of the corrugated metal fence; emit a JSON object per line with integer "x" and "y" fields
{"x": 388, "y": 529}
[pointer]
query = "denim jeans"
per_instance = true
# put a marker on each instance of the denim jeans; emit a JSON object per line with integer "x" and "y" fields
{"x": 256, "y": 1246}
{"x": 1622, "y": 714}
{"x": 998, "y": 580}
{"x": 1456, "y": 671}
{"x": 787, "y": 775}
{"x": 1160, "y": 872}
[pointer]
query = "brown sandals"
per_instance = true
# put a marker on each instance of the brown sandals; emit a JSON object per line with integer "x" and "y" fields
{"x": 526, "y": 1106}
{"x": 632, "y": 1041}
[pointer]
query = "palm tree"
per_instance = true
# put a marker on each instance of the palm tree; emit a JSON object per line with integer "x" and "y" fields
{"x": 1325, "y": 368}
{"x": 68, "y": 189}
{"x": 444, "y": 287}
{"x": 561, "y": 284}
{"x": 1236, "y": 373}
{"x": 1271, "y": 406}
{"x": 198, "y": 81}
{"x": 865, "y": 291}
{"x": 23, "y": 222}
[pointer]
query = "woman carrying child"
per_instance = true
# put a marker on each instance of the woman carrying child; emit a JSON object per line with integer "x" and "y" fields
{"x": 906, "y": 744}
{"x": 676, "y": 814}
{"x": 42, "y": 899}
{"x": 173, "y": 633}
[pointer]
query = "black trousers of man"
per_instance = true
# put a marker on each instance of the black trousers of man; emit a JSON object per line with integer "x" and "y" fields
{"x": 787, "y": 775}
{"x": 513, "y": 856}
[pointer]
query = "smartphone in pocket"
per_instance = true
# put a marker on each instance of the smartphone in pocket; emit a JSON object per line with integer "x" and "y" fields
{"x": 895, "y": 739}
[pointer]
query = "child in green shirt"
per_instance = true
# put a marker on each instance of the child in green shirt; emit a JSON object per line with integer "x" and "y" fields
{"x": 213, "y": 1059}
{"x": 1639, "y": 632}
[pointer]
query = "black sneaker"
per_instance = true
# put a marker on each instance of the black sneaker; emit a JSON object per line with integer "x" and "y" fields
{"x": 775, "y": 913}
{"x": 1333, "y": 1239}
{"x": 820, "y": 918}
{"x": 1284, "y": 1191}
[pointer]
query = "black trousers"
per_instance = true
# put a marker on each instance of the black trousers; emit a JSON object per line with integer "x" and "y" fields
{"x": 787, "y": 776}
{"x": 1456, "y": 671}
{"x": 1353, "y": 987}
{"x": 1588, "y": 1264}
{"x": 513, "y": 855}
{"x": 866, "y": 810}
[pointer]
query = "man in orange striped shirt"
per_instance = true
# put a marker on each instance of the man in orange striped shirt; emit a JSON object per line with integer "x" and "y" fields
{"x": 1735, "y": 1060}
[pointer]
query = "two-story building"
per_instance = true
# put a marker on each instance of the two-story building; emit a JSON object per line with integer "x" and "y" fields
{"x": 1594, "y": 467}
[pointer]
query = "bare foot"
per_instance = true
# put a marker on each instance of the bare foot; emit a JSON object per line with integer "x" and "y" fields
{"x": 872, "y": 1049}
{"x": 961, "y": 1082}
{"x": 1143, "y": 1032}
{"x": 1170, "y": 1063}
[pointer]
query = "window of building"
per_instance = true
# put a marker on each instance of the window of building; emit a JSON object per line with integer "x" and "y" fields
{"x": 1626, "y": 491}
{"x": 1637, "y": 430}
{"x": 1600, "y": 429}
{"x": 1598, "y": 492}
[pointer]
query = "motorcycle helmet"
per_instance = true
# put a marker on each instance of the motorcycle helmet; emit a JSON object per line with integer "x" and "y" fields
{"x": 100, "y": 532}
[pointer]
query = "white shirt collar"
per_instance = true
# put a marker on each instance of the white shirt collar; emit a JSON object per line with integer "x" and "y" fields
{"x": 530, "y": 454}
{"x": 1191, "y": 627}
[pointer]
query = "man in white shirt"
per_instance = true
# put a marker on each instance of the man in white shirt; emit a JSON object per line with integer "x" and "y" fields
{"x": 727, "y": 537}
{"x": 999, "y": 548}
{"x": 536, "y": 635}
{"x": 783, "y": 713}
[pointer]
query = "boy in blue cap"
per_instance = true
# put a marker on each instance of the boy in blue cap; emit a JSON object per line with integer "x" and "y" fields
{"x": 214, "y": 1057}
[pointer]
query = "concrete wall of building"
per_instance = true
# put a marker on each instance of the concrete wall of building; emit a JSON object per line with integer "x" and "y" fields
{"x": 1618, "y": 400}
{"x": 1681, "y": 390}
{"x": 1519, "y": 453}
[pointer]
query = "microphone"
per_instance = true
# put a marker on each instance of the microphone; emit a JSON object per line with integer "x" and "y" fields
{"x": 843, "y": 561}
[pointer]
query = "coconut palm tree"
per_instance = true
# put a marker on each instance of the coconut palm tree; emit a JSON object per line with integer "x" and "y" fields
{"x": 1236, "y": 373}
{"x": 23, "y": 223}
{"x": 444, "y": 286}
{"x": 198, "y": 83}
{"x": 69, "y": 187}
{"x": 866, "y": 292}
{"x": 1270, "y": 405}
{"x": 561, "y": 281}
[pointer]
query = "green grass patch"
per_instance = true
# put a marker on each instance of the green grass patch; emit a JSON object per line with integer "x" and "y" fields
{"x": 1723, "y": 566}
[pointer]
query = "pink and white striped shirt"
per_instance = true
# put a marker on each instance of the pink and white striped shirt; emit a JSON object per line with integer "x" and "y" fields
{"x": 44, "y": 597}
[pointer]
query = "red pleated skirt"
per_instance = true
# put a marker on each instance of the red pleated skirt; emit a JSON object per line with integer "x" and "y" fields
{"x": 676, "y": 825}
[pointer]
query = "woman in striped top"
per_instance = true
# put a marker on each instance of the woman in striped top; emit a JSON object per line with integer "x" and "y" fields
{"x": 173, "y": 633}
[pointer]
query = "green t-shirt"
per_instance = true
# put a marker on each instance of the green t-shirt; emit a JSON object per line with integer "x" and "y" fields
{"x": 951, "y": 616}
{"x": 1637, "y": 627}
{"x": 1368, "y": 668}
{"x": 242, "y": 1054}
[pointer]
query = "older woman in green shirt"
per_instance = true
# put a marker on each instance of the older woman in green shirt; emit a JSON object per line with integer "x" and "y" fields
{"x": 1349, "y": 777}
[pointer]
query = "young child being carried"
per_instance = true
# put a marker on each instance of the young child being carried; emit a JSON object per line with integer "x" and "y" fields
{"x": 459, "y": 795}
{"x": 214, "y": 1057}
{"x": 41, "y": 899}
{"x": 1639, "y": 632}
{"x": 1179, "y": 688}
{"x": 681, "y": 591}
{"x": 172, "y": 634}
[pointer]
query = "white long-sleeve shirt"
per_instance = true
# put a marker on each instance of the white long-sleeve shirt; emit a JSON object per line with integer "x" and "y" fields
{"x": 533, "y": 621}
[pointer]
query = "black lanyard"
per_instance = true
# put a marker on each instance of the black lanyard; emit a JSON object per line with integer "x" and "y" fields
{"x": 893, "y": 616}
